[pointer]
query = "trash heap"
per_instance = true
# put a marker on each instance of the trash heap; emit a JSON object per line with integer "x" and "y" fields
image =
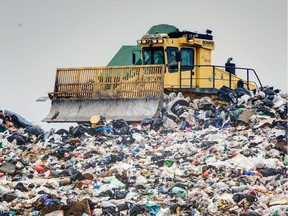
{"x": 226, "y": 156}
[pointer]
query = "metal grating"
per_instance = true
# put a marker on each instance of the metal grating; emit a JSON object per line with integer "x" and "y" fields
{"x": 109, "y": 82}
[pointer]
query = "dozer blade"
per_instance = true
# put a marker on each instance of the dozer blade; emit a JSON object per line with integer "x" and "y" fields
{"x": 131, "y": 93}
{"x": 81, "y": 110}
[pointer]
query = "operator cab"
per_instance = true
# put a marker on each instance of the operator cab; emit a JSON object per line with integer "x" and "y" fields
{"x": 160, "y": 51}
{"x": 187, "y": 59}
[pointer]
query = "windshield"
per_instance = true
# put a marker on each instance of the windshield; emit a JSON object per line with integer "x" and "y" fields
{"x": 153, "y": 55}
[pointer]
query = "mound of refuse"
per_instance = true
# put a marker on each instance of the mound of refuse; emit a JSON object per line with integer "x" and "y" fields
{"x": 221, "y": 156}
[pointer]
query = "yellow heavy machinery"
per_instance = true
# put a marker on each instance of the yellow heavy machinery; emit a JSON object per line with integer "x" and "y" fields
{"x": 133, "y": 84}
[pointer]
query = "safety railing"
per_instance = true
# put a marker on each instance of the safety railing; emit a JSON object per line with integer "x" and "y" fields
{"x": 231, "y": 78}
{"x": 109, "y": 82}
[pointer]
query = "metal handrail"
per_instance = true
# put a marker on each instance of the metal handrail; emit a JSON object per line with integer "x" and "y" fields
{"x": 248, "y": 71}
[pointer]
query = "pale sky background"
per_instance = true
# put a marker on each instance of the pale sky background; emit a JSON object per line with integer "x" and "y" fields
{"x": 37, "y": 36}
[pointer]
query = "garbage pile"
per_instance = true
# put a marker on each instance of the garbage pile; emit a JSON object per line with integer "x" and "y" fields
{"x": 226, "y": 156}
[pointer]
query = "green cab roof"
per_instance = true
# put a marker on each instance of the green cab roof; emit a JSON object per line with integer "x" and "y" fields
{"x": 162, "y": 28}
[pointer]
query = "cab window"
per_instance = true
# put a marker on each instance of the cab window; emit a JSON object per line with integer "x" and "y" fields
{"x": 153, "y": 55}
{"x": 187, "y": 59}
{"x": 172, "y": 61}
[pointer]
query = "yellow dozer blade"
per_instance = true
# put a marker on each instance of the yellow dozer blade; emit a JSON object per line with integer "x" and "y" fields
{"x": 129, "y": 92}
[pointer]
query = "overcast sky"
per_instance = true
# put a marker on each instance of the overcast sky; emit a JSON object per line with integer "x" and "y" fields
{"x": 37, "y": 36}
